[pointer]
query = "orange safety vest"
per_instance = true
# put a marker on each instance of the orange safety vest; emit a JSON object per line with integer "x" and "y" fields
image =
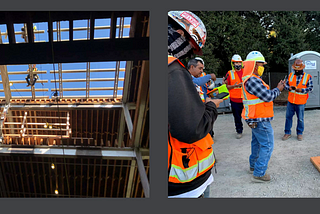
{"x": 297, "y": 97}
{"x": 186, "y": 161}
{"x": 235, "y": 79}
{"x": 253, "y": 106}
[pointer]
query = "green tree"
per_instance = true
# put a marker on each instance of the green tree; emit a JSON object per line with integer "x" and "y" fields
{"x": 276, "y": 34}
{"x": 290, "y": 37}
{"x": 229, "y": 33}
{"x": 313, "y": 29}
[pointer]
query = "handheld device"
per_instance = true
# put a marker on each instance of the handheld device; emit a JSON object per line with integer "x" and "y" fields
{"x": 221, "y": 95}
{"x": 285, "y": 78}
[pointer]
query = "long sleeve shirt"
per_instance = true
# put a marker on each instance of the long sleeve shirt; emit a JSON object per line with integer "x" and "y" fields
{"x": 255, "y": 86}
{"x": 298, "y": 79}
{"x": 201, "y": 81}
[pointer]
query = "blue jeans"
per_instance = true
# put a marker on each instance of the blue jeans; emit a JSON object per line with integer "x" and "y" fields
{"x": 291, "y": 110}
{"x": 261, "y": 148}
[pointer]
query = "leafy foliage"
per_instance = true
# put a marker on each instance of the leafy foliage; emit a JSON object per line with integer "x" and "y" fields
{"x": 276, "y": 34}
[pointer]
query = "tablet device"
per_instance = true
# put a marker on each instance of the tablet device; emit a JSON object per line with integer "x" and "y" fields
{"x": 221, "y": 95}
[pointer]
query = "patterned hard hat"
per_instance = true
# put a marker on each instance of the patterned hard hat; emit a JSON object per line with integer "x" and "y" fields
{"x": 298, "y": 65}
{"x": 193, "y": 25}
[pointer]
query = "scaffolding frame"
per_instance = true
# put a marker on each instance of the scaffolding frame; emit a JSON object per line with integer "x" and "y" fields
{"x": 34, "y": 103}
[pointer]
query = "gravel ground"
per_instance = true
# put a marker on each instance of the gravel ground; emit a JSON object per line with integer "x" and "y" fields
{"x": 293, "y": 174}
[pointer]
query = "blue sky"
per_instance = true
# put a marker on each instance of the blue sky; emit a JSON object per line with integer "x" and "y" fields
{"x": 68, "y": 66}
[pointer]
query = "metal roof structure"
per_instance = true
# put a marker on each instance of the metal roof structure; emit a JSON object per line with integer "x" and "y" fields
{"x": 75, "y": 142}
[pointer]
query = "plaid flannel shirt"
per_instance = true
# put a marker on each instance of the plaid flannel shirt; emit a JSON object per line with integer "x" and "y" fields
{"x": 298, "y": 79}
{"x": 255, "y": 86}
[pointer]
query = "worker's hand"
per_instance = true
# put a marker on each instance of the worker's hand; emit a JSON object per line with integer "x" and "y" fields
{"x": 298, "y": 89}
{"x": 213, "y": 77}
{"x": 215, "y": 101}
{"x": 292, "y": 88}
{"x": 281, "y": 85}
{"x": 224, "y": 80}
{"x": 238, "y": 85}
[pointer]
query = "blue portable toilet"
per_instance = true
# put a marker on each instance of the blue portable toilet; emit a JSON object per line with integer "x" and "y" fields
{"x": 312, "y": 61}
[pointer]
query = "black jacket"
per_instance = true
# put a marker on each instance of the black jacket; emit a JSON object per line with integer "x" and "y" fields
{"x": 189, "y": 118}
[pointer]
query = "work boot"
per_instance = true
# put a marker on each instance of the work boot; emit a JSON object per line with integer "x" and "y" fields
{"x": 262, "y": 179}
{"x": 299, "y": 137}
{"x": 286, "y": 137}
{"x": 239, "y": 135}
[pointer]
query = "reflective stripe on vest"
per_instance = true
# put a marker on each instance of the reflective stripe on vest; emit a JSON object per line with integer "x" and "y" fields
{"x": 298, "y": 97}
{"x": 232, "y": 75}
{"x": 252, "y": 102}
{"x": 189, "y": 174}
{"x": 234, "y": 79}
{"x": 196, "y": 159}
{"x": 253, "y": 107}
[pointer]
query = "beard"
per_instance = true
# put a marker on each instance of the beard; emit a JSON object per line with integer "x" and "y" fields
{"x": 298, "y": 72}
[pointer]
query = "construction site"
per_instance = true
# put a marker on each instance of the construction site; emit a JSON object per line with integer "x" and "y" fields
{"x": 293, "y": 167}
{"x": 74, "y": 99}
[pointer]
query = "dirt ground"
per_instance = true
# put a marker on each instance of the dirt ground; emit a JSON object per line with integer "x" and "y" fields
{"x": 293, "y": 174}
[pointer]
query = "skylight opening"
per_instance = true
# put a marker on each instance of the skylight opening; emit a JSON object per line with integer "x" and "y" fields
{"x": 102, "y": 29}
{"x": 4, "y": 36}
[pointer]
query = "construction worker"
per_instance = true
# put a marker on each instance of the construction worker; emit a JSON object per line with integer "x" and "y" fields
{"x": 190, "y": 152}
{"x": 233, "y": 80}
{"x": 199, "y": 77}
{"x": 299, "y": 84}
{"x": 24, "y": 33}
{"x": 35, "y": 76}
{"x": 258, "y": 112}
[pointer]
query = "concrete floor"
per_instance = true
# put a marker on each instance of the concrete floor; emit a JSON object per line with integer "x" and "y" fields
{"x": 293, "y": 174}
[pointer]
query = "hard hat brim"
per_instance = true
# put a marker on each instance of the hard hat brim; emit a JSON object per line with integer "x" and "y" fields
{"x": 197, "y": 51}
{"x": 262, "y": 62}
{"x": 298, "y": 69}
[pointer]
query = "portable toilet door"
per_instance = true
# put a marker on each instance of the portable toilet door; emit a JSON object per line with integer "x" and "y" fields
{"x": 312, "y": 61}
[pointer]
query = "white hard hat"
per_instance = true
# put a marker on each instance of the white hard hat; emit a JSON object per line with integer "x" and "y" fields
{"x": 256, "y": 56}
{"x": 200, "y": 59}
{"x": 236, "y": 58}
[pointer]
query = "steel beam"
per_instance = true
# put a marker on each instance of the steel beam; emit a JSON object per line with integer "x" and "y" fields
{"x": 84, "y": 80}
{"x": 61, "y": 106}
{"x": 113, "y": 26}
{"x": 10, "y": 28}
{"x": 30, "y": 31}
{"x": 127, "y": 81}
{"x": 141, "y": 104}
{"x": 125, "y": 49}
{"x": 130, "y": 179}
{"x": 3, "y": 189}
{"x": 88, "y": 80}
{"x": 70, "y": 29}
{"x": 142, "y": 173}
{"x": 128, "y": 119}
{"x": 121, "y": 128}
{"x": 5, "y": 80}
{"x": 72, "y": 152}
{"x": 85, "y": 70}
{"x": 92, "y": 19}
